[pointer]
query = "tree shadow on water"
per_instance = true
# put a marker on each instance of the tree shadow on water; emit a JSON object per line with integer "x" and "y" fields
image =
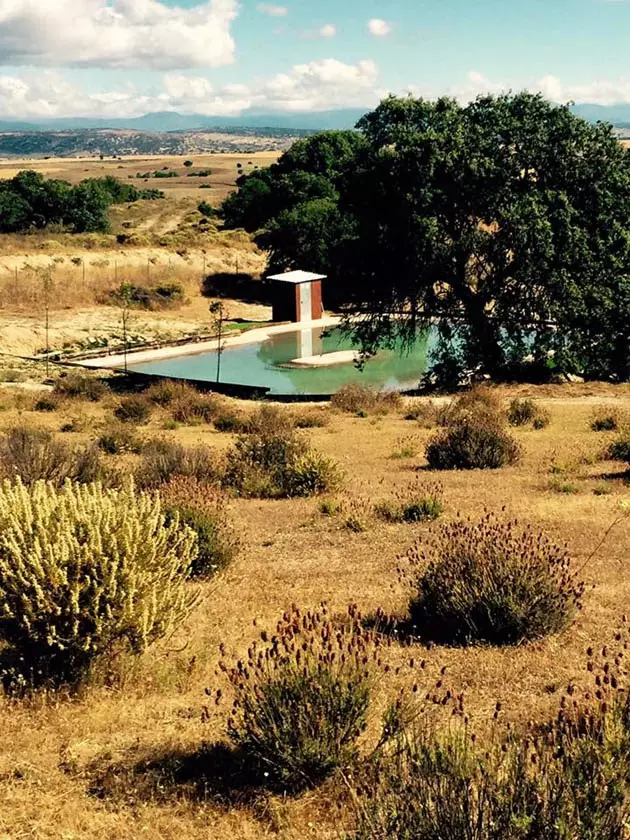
{"x": 215, "y": 772}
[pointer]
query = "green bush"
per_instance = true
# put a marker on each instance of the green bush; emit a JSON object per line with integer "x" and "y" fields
{"x": 77, "y": 385}
{"x": 118, "y": 438}
{"x": 161, "y": 296}
{"x": 192, "y": 407}
{"x": 85, "y": 572}
{"x": 33, "y": 454}
{"x": 278, "y": 464}
{"x": 133, "y": 409}
{"x": 523, "y": 412}
{"x": 442, "y": 786}
{"x": 416, "y": 503}
{"x": 162, "y": 460}
{"x": 489, "y": 582}
{"x": 301, "y": 703}
{"x": 203, "y": 510}
{"x": 471, "y": 444}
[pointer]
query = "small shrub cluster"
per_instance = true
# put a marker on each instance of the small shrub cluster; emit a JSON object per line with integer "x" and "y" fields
{"x": 474, "y": 436}
{"x": 47, "y": 402}
{"x": 426, "y": 414}
{"x": 605, "y": 419}
{"x": 489, "y": 581}
{"x": 472, "y": 444}
{"x": 355, "y": 398}
{"x": 31, "y": 454}
{"x": 567, "y": 780}
{"x": 202, "y": 509}
{"x": 76, "y": 385}
{"x": 150, "y": 298}
{"x": 84, "y": 571}
{"x": 416, "y": 503}
{"x": 619, "y": 449}
{"x": 276, "y": 463}
{"x": 162, "y": 460}
{"x": 133, "y": 409}
{"x": 525, "y": 412}
{"x": 301, "y": 698}
{"x": 118, "y": 438}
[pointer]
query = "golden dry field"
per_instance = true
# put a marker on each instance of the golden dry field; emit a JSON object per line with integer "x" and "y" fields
{"x": 166, "y": 241}
{"x": 126, "y": 761}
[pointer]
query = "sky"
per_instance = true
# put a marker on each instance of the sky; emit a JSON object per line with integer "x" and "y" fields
{"x": 123, "y": 58}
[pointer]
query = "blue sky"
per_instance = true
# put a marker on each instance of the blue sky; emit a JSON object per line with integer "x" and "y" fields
{"x": 126, "y": 57}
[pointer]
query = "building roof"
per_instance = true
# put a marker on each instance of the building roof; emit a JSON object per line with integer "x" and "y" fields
{"x": 297, "y": 277}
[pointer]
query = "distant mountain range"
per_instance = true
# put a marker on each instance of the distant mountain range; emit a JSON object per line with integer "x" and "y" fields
{"x": 167, "y": 121}
{"x": 172, "y": 121}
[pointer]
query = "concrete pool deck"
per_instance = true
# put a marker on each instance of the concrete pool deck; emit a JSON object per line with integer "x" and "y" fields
{"x": 136, "y": 357}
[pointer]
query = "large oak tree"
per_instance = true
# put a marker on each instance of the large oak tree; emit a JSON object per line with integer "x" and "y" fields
{"x": 505, "y": 223}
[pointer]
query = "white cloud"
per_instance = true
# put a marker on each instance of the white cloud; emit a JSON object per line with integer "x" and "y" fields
{"x": 270, "y": 9}
{"x": 328, "y": 31}
{"x": 120, "y": 33}
{"x": 319, "y": 85}
{"x": 378, "y": 27}
{"x": 599, "y": 92}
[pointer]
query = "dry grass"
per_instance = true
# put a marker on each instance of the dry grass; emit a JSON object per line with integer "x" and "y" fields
{"x": 55, "y": 753}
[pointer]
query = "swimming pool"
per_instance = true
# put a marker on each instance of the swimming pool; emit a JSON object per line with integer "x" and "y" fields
{"x": 267, "y": 363}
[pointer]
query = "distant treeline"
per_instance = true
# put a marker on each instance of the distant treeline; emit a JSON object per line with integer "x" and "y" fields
{"x": 31, "y": 202}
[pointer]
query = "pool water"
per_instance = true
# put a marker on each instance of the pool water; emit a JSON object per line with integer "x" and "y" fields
{"x": 267, "y": 364}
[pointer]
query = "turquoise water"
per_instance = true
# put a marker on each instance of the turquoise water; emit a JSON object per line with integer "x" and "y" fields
{"x": 266, "y": 364}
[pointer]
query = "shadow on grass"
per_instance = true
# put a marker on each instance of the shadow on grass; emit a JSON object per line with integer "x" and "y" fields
{"x": 214, "y": 772}
{"x": 395, "y": 627}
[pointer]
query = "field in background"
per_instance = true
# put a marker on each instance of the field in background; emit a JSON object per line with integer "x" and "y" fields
{"x": 151, "y": 242}
{"x": 114, "y": 762}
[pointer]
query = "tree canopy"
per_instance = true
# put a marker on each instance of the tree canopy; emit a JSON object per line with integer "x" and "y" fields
{"x": 29, "y": 201}
{"x": 505, "y": 223}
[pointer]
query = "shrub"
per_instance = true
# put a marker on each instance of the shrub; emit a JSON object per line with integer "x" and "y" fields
{"x": 32, "y": 454}
{"x": 416, "y": 503}
{"x": 480, "y": 403}
{"x": 301, "y": 700}
{"x": 355, "y": 398}
{"x": 522, "y": 412}
{"x": 311, "y": 475}
{"x": 203, "y": 510}
{"x": 164, "y": 459}
{"x": 165, "y": 392}
{"x": 489, "y": 582}
{"x": 192, "y": 407}
{"x": 84, "y": 571}
{"x": 313, "y": 419}
{"x": 118, "y": 438}
{"x": 542, "y": 418}
{"x": 133, "y": 409}
{"x": 269, "y": 421}
{"x": 160, "y": 296}
{"x": 278, "y": 464}
{"x": 472, "y": 444}
{"x": 619, "y": 449}
{"x": 47, "y": 403}
{"x": 434, "y": 786}
{"x": 605, "y": 419}
{"x": 76, "y": 385}
{"x": 423, "y": 413}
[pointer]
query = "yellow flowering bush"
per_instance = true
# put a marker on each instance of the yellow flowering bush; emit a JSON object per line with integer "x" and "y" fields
{"x": 84, "y": 570}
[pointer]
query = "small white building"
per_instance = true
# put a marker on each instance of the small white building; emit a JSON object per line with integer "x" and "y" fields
{"x": 297, "y": 296}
